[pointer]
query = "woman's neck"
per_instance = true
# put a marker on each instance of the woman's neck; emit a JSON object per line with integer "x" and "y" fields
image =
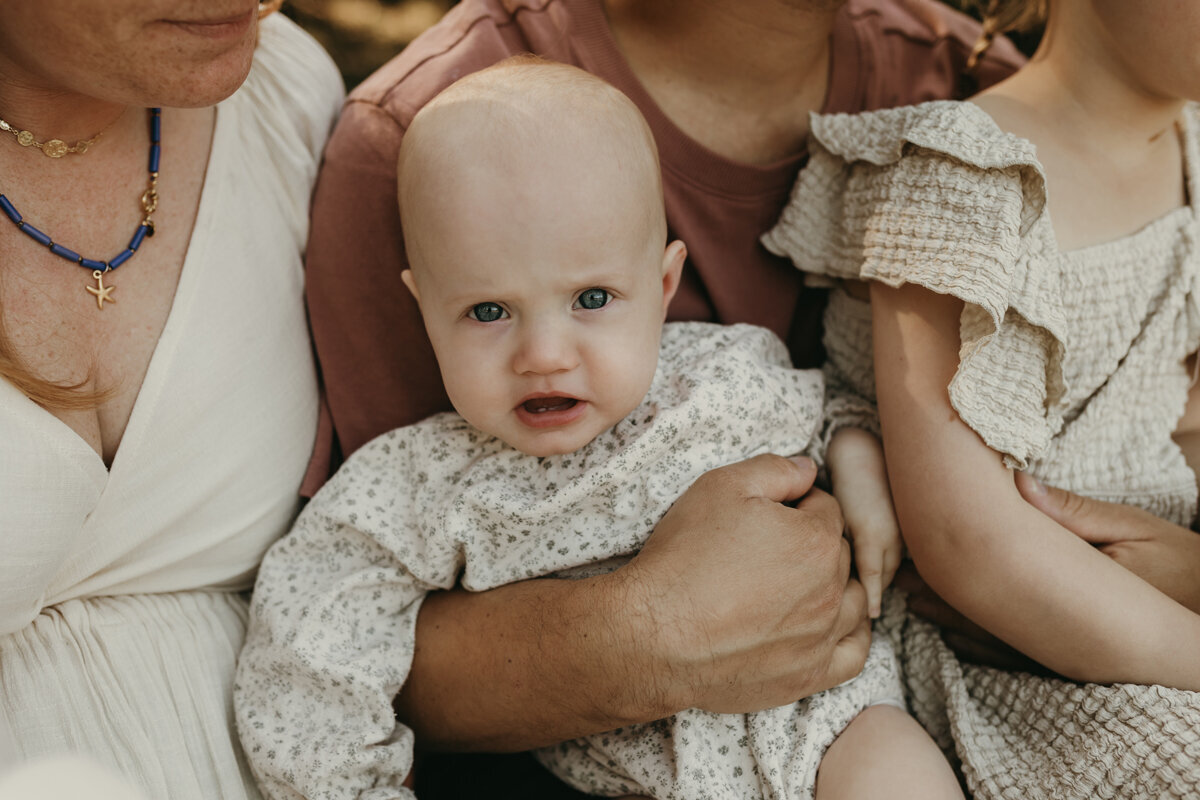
{"x": 31, "y": 103}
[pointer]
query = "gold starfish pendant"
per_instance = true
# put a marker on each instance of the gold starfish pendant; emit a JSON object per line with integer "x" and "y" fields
{"x": 103, "y": 293}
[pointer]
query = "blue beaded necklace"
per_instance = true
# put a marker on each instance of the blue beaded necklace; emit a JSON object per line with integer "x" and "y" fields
{"x": 102, "y": 293}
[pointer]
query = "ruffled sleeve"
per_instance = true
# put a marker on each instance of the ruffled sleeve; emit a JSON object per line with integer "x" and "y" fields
{"x": 936, "y": 195}
{"x": 1191, "y": 143}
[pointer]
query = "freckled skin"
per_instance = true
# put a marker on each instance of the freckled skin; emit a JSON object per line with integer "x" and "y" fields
{"x": 126, "y": 51}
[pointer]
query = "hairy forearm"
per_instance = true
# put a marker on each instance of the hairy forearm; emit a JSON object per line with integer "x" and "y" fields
{"x": 528, "y": 665}
{"x": 737, "y": 602}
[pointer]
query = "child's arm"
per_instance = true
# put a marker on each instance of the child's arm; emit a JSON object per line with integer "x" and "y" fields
{"x": 1163, "y": 554}
{"x": 860, "y": 484}
{"x": 978, "y": 544}
{"x": 1187, "y": 430}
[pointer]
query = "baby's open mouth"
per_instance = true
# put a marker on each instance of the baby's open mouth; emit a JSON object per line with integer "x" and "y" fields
{"x": 540, "y": 405}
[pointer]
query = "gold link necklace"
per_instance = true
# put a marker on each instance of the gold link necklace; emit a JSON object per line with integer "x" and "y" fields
{"x": 54, "y": 148}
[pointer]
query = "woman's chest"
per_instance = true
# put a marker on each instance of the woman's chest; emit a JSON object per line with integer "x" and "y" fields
{"x": 97, "y": 330}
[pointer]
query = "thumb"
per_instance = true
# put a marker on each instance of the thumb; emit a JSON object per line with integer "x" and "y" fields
{"x": 772, "y": 477}
{"x": 1093, "y": 521}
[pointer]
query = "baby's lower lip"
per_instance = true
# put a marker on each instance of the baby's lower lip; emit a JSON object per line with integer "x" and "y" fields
{"x": 549, "y": 412}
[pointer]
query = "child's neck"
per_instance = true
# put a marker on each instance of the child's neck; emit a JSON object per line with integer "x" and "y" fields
{"x": 1110, "y": 148}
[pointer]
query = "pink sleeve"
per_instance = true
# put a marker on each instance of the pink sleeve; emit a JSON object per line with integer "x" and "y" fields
{"x": 377, "y": 366}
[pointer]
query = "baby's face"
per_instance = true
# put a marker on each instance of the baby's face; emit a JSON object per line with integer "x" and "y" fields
{"x": 545, "y": 311}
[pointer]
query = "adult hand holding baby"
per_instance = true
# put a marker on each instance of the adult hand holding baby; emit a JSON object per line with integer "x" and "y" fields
{"x": 736, "y": 603}
{"x": 749, "y": 602}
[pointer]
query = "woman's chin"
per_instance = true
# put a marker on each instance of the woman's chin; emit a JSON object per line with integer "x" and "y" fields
{"x": 204, "y": 70}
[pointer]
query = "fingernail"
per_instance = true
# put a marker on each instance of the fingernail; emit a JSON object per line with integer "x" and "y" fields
{"x": 803, "y": 461}
{"x": 1038, "y": 486}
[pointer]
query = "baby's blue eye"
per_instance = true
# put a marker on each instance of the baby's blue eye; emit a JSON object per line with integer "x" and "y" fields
{"x": 593, "y": 299}
{"x": 486, "y": 312}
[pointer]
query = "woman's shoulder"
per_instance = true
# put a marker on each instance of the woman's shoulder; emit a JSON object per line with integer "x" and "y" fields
{"x": 293, "y": 89}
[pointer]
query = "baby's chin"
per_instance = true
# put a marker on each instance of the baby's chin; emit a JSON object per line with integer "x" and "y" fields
{"x": 547, "y": 451}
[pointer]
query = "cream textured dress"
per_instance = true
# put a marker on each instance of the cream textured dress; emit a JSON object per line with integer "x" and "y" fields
{"x": 121, "y": 611}
{"x": 1071, "y": 366}
{"x": 332, "y": 633}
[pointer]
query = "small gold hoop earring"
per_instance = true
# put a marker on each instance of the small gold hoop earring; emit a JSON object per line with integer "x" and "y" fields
{"x": 268, "y": 7}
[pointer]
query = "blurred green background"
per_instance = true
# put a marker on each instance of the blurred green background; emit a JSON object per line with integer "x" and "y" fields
{"x": 362, "y": 34}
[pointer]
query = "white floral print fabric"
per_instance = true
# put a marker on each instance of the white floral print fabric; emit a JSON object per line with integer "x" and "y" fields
{"x": 433, "y": 504}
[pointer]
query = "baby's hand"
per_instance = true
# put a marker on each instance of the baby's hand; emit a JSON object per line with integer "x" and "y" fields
{"x": 860, "y": 484}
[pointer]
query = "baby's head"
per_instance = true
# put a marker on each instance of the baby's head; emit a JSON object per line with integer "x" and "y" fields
{"x": 532, "y": 208}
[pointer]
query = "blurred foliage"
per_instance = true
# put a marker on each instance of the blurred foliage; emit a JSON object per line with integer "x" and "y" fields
{"x": 362, "y": 34}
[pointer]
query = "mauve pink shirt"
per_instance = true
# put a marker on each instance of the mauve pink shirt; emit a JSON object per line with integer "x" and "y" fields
{"x": 377, "y": 366}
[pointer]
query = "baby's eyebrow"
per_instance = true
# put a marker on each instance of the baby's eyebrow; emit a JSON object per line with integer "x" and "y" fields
{"x": 468, "y": 298}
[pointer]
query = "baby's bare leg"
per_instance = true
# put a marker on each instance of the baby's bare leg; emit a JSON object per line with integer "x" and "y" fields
{"x": 885, "y": 753}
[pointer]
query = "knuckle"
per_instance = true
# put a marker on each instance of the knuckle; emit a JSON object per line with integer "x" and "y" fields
{"x": 829, "y": 601}
{"x": 717, "y": 481}
{"x": 782, "y": 469}
{"x": 828, "y": 551}
{"x": 825, "y": 520}
{"x": 1075, "y": 505}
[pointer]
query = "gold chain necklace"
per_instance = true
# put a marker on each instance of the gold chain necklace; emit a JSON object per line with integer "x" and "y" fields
{"x": 98, "y": 268}
{"x": 54, "y": 148}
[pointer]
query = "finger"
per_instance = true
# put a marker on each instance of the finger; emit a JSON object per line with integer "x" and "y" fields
{"x": 825, "y": 508}
{"x": 874, "y": 588}
{"x": 1091, "y": 520}
{"x": 853, "y": 610}
{"x": 892, "y": 556}
{"x": 845, "y": 562}
{"x": 849, "y": 654}
{"x": 772, "y": 477}
{"x": 868, "y": 559}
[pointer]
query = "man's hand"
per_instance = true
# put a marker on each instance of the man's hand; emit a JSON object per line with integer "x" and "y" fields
{"x": 1161, "y": 553}
{"x": 860, "y": 484}
{"x": 736, "y": 603}
{"x": 745, "y": 603}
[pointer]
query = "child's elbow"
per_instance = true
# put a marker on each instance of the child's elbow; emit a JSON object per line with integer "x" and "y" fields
{"x": 946, "y": 548}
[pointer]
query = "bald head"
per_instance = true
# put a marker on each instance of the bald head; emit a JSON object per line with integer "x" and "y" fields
{"x": 524, "y": 138}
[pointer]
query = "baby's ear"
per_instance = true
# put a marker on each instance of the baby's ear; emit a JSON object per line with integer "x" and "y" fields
{"x": 672, "y": 267}
{"x": 411, "y": 283}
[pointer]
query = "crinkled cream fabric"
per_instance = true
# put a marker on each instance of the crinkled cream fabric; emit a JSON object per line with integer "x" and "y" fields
{"x": 421, "y": 507}
{"x": 1071, "y": 366}
{"x": 121, "y": 613}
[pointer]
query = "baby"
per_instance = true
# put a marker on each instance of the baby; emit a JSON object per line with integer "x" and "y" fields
{"x": 532, "y": 207}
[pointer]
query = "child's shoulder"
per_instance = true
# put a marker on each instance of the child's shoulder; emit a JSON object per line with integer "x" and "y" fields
{"x": 916, "y": 185}
{"x": 958, "y": 131}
